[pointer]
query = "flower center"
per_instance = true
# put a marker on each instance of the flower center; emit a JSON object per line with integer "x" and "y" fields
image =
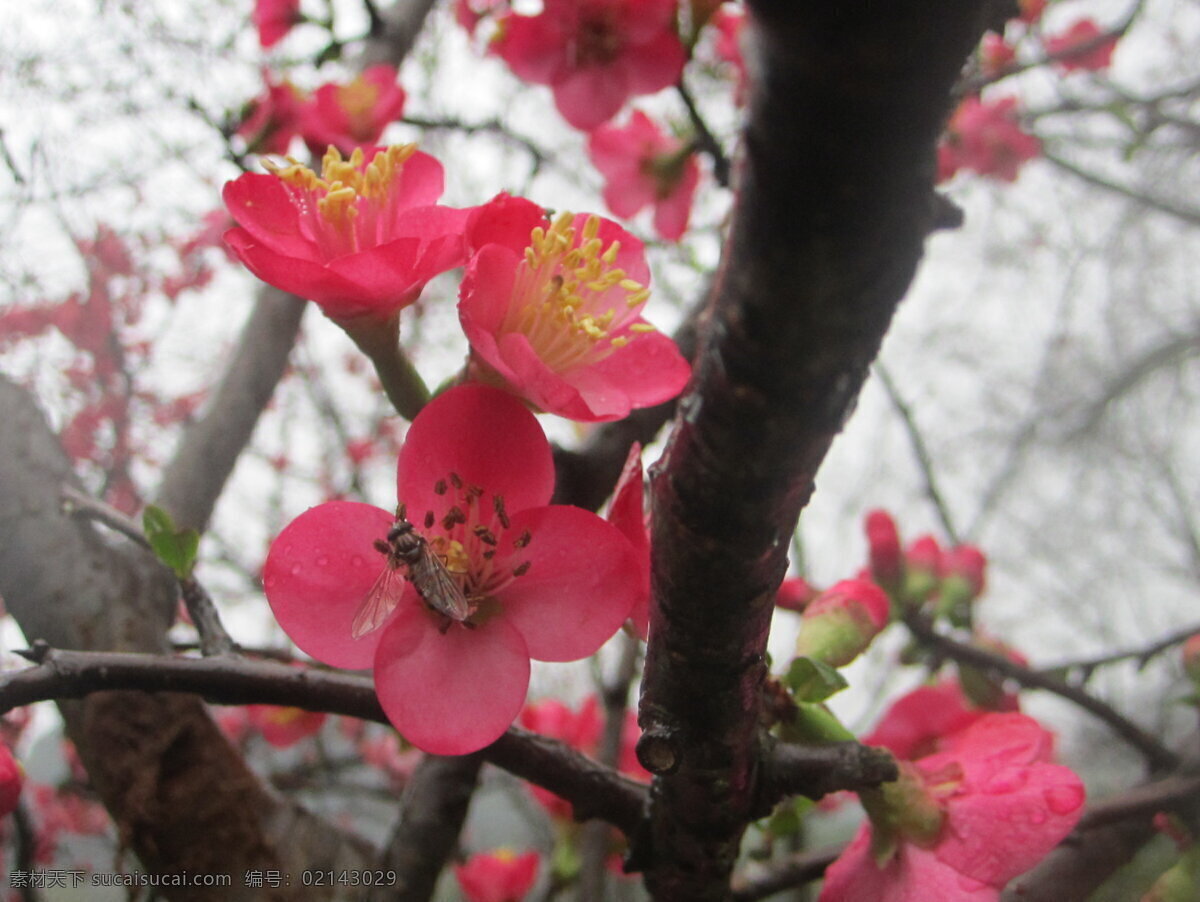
{"x": 468, "y": 539}
{"x": 597, "y": 39}
{"x": 357, "y": 99}
{"x": 571, "y": 300}
{"x": 352, "y": 204}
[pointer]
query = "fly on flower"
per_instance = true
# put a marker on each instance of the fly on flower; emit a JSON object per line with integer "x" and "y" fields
{"x": 405, "y": 547}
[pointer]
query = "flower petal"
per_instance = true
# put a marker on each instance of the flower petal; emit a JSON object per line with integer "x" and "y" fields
{"x": 317, "y": 574}
{"x": 485, "y": 437}
{"x": 582, "y": 582}
{"x": 452, "y": 692}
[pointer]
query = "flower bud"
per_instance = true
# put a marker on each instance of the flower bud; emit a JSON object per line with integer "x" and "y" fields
{"x": 794, "y": 594}
{"x": 922, "y": 570}
{"x": 883, "y": 541}
{"x": 1190, "y": 651}
{"x": 841, "y": 622}
{"x": 962, "y": 581}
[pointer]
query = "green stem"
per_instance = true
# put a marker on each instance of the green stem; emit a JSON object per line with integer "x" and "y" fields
{"x": 380, "y": 341}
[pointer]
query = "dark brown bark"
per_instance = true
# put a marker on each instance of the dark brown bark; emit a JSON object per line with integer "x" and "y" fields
{"x": 834, "y": 203}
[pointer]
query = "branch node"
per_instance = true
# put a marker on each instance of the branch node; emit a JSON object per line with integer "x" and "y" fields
{"x": 658, "y": 751}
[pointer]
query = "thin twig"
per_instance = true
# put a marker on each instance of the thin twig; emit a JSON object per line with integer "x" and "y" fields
{"x": 705, "y": 139}
{"x": 1085, "y": 666}
{"x": 920, "y": 451}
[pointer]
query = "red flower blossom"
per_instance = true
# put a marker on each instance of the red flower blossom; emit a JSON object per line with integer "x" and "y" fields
{"x": 1001, "y": 805}
{"x": 498, "y": 876}
{"x": 544, "y": 581}
{"x": 594, "y": 54}
{"x": 1031, "y": 10}
{"x": 274, "y": 19}
{"x": 627, "y": 512}
{"x": 916, "y": 723}
{"x": 273, "y": 118}
{"x": 361, "y": 239}
{"x": 354, "y": 114}
{"x": 795, "y": 593}
{"x": 1082, "y": 46}
{"x": 553, "y": 314}
{"x": 282, "y": 726}
{"x": 986, "y": 138}
{"x": 643, "y": 167}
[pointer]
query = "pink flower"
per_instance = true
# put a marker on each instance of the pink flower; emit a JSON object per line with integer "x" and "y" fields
{"x": 274, "y": 19}
{"x": 1031, "y": 10}
{"x": 498, "y": 876}
{"x": 1082, "y": 46}
{"x": 553, "y": 314}
{"x": 11, "y": 779}
{"x": 628, "y": 513}
{"x": 361, "y": 239}
{"x": 594, "y": 54}
{"x": 995, "y": 54}
{"x": 916, "y": 723}
{"x": 1002, "y": 808}
{"x": 922, "y": 569}
{"x": 273, "y": 118}
{"x": 544, "y": 581}
{"x": 283, "y": 726}
{"x": 354, "y": 114}
{"x": 729, "y": 22}
{"x": 842, "y": 621}
{"x": 643, "y": 167}
{"x": 581, "y": 730}
{"x": 987, "y": 138}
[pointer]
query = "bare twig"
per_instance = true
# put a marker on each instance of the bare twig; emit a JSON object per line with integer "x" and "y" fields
{"x": 1085, "y": 666}
{"x": 1157, "y": 755}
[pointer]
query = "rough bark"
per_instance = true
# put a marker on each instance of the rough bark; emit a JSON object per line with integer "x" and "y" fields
{"x": 834, "y": 203}
{"x": 182, "y": 798}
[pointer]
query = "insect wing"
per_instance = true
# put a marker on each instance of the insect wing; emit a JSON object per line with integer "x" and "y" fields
{"x": 435, "y": 584}
{"x": 381, "y": 599}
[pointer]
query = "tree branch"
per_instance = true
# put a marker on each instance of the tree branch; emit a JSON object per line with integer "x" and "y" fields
{"x": 1157, "y": 755}
{"x": 835, "y": 200}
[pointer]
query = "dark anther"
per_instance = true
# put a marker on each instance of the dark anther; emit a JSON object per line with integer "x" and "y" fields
{"x": 439, "y": 487}
{"x": 456, "y": 481}
{"x": 488, "y": 555}
{"x": 498, "y": 504}
{"x": 453, "y": 517}
{"x": 522, "y": 569}
{"x": 484, "y": 535}
{"x": 430, "y": 519}
{"x": 523, "y": 539}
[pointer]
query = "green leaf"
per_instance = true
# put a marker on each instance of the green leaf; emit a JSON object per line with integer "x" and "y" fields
{"x": 812, "y": 681}
{"x": 174, "y": 547}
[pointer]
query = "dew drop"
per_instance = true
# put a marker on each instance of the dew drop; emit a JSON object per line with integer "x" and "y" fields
{"x": 1064, "y": 799}
{"x": 1037, "y": 817}
{"x": 323, "y": 561}
{"x": 357, "y": 560}
{"x": 296, "y": 568}
{"x": 269, "y": 581}
{"x": 1007, "y": 783}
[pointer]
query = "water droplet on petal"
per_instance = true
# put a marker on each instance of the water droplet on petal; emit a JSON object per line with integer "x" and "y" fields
{"x": 296, "y": 568}
{"x": 357, "y": 560}
{"x": 1007, "y": 782}
{"x": 1064, "y": 799}
{"x": 1037, "y": 816}
{"x": 323, "y": 561}
{"x": 269, "y": 582}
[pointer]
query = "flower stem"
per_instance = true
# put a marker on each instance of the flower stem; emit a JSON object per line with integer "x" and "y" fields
{"x": 380, "y": 341}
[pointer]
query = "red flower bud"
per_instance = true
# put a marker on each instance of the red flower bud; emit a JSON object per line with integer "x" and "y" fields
{"x": 883, "y": 539}
{"x": 840, "y": 623}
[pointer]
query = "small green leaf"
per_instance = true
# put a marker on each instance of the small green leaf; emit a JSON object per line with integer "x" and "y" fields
{"x": 175, "y": 548}
{"x": 788, "y": 816}
{"x": 812, "y": 681}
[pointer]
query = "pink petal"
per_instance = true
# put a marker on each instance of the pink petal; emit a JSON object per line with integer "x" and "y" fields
{"x": 582, "y": 582}
{"x": 533, "y": 47}
{"x": 648, "y": 370}
{"x": 487, "y": 291}
{"x": 913, "y": 875}
{"x": 654, "y": 65}
{"x": 627, "y": 512}
{"x": 484, "y": 436}
{"x": 317, "y": 574}
{"x": 505, "y": 220}
{"x": 590, "y": 97}
{"x": 673, "y": 211}
{"x": 628, "y": 197}
{"x": 549, "y": 390}
{"x": 450, "y": 693}
{"x": 262, "y": 206}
